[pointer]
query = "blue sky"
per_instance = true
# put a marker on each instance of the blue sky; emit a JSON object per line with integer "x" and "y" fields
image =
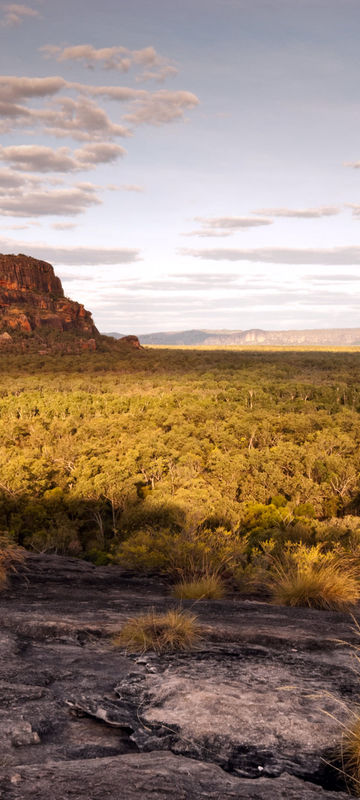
{"x": 186, "y": 165}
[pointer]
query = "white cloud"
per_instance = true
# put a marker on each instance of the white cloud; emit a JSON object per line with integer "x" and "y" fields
{"x": 64, "y": 226}
{"x": 232, "y": 223}
{"x": 71, "y": 256}
{"x": 15, "y": 89}
{"x": 208, "y": 232}
{"x": 132, "y": 187}
{"x": 99, "y": 153}
{"x": 14, "y": 14}
{"x": 301, "y": 213}
{"x": 48, "y": 202}
{"x": 38, "y": 158}
{"x": 81, "y": 117}
{"x": 44, "y": 159}
{"x": 282, "y": 255}
{"x": 226, "y": 226}
{"x": 159, "y": 108}
{"x": 153, "y": 65}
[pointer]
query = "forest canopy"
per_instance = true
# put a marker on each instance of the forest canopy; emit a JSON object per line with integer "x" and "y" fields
{"x": 115, "y": 455}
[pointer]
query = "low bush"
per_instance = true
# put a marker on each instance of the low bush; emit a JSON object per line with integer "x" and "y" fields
{"x": 163, "y": 633}
{"x": 309, "y": 577}
{"x": 210, "y": 587}
{"x": 187, "y": 555}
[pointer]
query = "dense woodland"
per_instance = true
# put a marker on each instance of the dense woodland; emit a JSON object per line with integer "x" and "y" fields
{"x": 139, "y": 456}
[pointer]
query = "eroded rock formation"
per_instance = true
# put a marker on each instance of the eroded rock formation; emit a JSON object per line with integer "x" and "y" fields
{"x": 32, "y": 299}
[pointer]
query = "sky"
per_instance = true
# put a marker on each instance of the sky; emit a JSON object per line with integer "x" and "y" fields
{"x": 186, "y": 165}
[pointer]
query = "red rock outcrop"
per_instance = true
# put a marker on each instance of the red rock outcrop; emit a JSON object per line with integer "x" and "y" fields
{"x": 32, "y": 299}
{"x": 132, "y": 341}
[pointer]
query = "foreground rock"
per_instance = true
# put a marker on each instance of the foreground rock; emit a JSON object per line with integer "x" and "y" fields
{"x": 255, "y": 712}
{"x": 149, "y": 775}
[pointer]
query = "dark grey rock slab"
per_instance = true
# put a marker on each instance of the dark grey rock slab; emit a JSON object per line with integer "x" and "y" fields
{"x": 265, "y": 693}
{"x": 149, "y": 776}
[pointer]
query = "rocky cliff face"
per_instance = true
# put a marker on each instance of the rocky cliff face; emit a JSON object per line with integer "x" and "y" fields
{"x": 32, "y": 300}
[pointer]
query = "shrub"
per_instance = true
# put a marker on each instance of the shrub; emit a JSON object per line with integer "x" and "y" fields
{"x": 10, "y": 557}
{"x": 187, "y": 555}
{"x": 309, "y": 577}
{"x": 162, "y": 633}
{"x": 210, "y": 587}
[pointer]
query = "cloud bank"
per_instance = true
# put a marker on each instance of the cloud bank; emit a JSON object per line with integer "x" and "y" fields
{"x": 13, "y": 14}
{"x": 281, "y": 255}
{"x": 153, "y": 66}
{"x": 300, "y": 213}
{"x": 72, "y": 256}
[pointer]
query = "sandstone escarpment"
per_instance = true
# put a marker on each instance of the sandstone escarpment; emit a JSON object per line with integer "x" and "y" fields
{"x": 32, "y": 300}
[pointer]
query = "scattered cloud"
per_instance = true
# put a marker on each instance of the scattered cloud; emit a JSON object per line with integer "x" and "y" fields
{"x": 16, "y": 89}
{"x": 208, "y": 232}
{"x": 208, "y": 278}
{"x": 99, "y": 153}
{"x": 301, "y": 213}
{"x": 233, "y": 223}
{"x": 355, "y": 207}
{"x": 226, "y": 226}
{"x": 346, "y": 256}
{"x": 330, "y": 278}
{"x": 40, "y": 159}
{"x": 159, "y": 108}
{"x": 43, "y": 201}
{"x": 37, "y": 158}
{"x": 81, "y": 117}
{"x": 13, "y": 14}
{"x": 9, "y": 179}
{"x": 353, "y": 164}
{"x": 72, "y": 256}
{"x": 64, "y": 226}
{"x": 153, "y": 66}
{"x": 132, "y": 187}
{"x": 69, "y": 277}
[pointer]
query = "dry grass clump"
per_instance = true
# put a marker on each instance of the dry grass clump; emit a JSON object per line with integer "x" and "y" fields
{"x": 350, "y": 755}
{"x": 326, "y": 585}
{"x": 163, "y": 633}
{"x": 209, "y": 587}
{"x": 10, "y": 557}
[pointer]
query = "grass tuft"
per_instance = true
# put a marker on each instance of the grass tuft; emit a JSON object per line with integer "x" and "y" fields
{"x": 163, "y": 633}
{"x": 207, "y": 588}
{"x": 326, "y": 585}
{"x": 350, "y": 755}
{"x": 10, "y": 557}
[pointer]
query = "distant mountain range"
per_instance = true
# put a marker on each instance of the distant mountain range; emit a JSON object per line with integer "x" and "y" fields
{"x": 256, "y": 336}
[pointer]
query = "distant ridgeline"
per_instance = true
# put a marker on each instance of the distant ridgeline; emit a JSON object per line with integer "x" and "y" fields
{"x": 331, "y": 337}
{"x": 34, "y": 311}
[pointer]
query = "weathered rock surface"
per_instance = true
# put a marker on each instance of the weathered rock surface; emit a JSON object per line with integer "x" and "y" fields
{"x": 32, "y": 299}
{"x": 254, "y": 712}
{"x": 149, "y": 775}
